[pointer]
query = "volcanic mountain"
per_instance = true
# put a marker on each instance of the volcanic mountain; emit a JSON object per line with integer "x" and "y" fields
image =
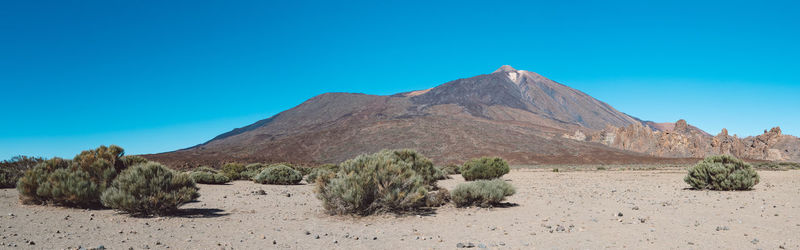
{"x": 515, "y": 114}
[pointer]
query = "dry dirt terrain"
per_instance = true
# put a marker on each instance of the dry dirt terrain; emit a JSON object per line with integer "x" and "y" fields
{"x": 565, "y": 210}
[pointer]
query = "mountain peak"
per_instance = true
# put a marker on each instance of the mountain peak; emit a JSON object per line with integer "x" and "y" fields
{"x": 505, "y": 68}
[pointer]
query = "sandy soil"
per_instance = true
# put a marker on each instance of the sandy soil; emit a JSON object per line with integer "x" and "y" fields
{"x": 584, "y": 209}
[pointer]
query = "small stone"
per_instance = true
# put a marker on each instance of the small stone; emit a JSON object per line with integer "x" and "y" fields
{"x": 335, "y": 241}
{"x": 460, "y": 245}
{"x": 470, "y": 245}
{"x": 619, "y": 214}
{"x": 274, "y": 242}
{"x": 308, "y": 233}
{"x": 32, "y": 243}
{"x": 560, "y": 228}
{"x": 754, "y": 241}
{"x": 722, "y": 228}
{"x": 316, "y": 237}
{"x": 481, "y": 245}
{"x": 635, "y": 208}
{"x": 288, "y": 195}
{"x": 374, "y": 238}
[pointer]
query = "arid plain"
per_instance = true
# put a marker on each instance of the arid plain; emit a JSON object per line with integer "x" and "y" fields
{"x": 570, "y": 209}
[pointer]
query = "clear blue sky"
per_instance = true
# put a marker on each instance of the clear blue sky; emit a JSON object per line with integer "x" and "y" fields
{"x": 153, "y": 76}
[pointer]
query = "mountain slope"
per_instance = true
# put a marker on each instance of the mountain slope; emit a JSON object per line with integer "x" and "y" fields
{"x": 515, "y": 114}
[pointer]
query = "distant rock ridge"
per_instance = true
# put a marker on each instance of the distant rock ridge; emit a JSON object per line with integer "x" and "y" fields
{"x": 686, "y": 141}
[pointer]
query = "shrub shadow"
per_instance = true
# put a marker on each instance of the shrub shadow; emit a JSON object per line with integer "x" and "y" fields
{"x": 199, "y": 213}
{"x": 505, "y": 205}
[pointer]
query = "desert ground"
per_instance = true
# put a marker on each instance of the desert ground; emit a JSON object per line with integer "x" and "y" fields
{"x": 551, "y": 210}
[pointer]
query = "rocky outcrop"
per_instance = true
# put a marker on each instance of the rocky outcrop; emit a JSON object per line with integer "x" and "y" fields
{"x": 684, "y": 140}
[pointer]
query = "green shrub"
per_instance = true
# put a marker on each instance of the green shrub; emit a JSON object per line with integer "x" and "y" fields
{"x": 251, "y": 170}
{"x": 419, "y": 163}
{"x": 437, "y": 198}
{"x": 722, "y": 172}
{"x": 279, "y": 174}
{"x": 150, "y": 188}
{"x": 481, "y": 193}
{"x": 302, "y": 169}
{"x": 781, "y": 166}
{"x": 204, "y": 177}
{"x": 326, "y": 172}
{"x": 233, "y": 170}
{"x": 206, "y": 169}
{"x": 11, "y": 170}
{"x": 78, "y": 182}
{"x": 485, "y": 168}
{"x": 451, "y": 169}
{"x": 382, "y": 182}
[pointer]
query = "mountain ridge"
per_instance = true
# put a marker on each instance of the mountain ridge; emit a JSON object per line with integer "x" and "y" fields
{"x": 516, "y": 114}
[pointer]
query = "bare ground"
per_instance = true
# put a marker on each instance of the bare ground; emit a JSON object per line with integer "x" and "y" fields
{"x": 579, "y": 209}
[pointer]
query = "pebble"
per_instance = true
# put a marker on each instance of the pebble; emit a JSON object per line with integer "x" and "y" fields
{"x": 722, "y": 228}
{"x": 754, "y": 241}
{"x": 481, "y": 245}
{"x": 619, "y": 214}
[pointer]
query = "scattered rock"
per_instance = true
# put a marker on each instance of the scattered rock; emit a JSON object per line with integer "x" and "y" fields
{"x": 754, "y": 241}
{"x": 619, "y": 214}
{"x": 635, "y": 208}
{"x": 481, "y": 245}
{"x": 463, "y": 245}
{"x": 722, "y": 228}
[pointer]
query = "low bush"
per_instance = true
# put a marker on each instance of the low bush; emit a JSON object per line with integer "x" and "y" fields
{"x": 206, "y": 169}
{"x": 204, "y": 177}
{"x": 150, "y": 189}
{"x": 481, "y": 193}
{"x": 11, "y": 170}
{"x": 722, "y": 172}
{"x": 279, "y": 174}
{"x": 325, "y": 172}
{"x": 485, "y": 168}
{"x": 302, "y": 169}
{"x": 251, "y": 170}
{"x": 779, "y": 166}
{"x": 450, "y": 169}
{"x": 437, "y": 198}
{"x": 382, "y": 182}
{"x": 233, "y": 170}
{"x": 78, "y": 182}
{"x": 419, "y": 163}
